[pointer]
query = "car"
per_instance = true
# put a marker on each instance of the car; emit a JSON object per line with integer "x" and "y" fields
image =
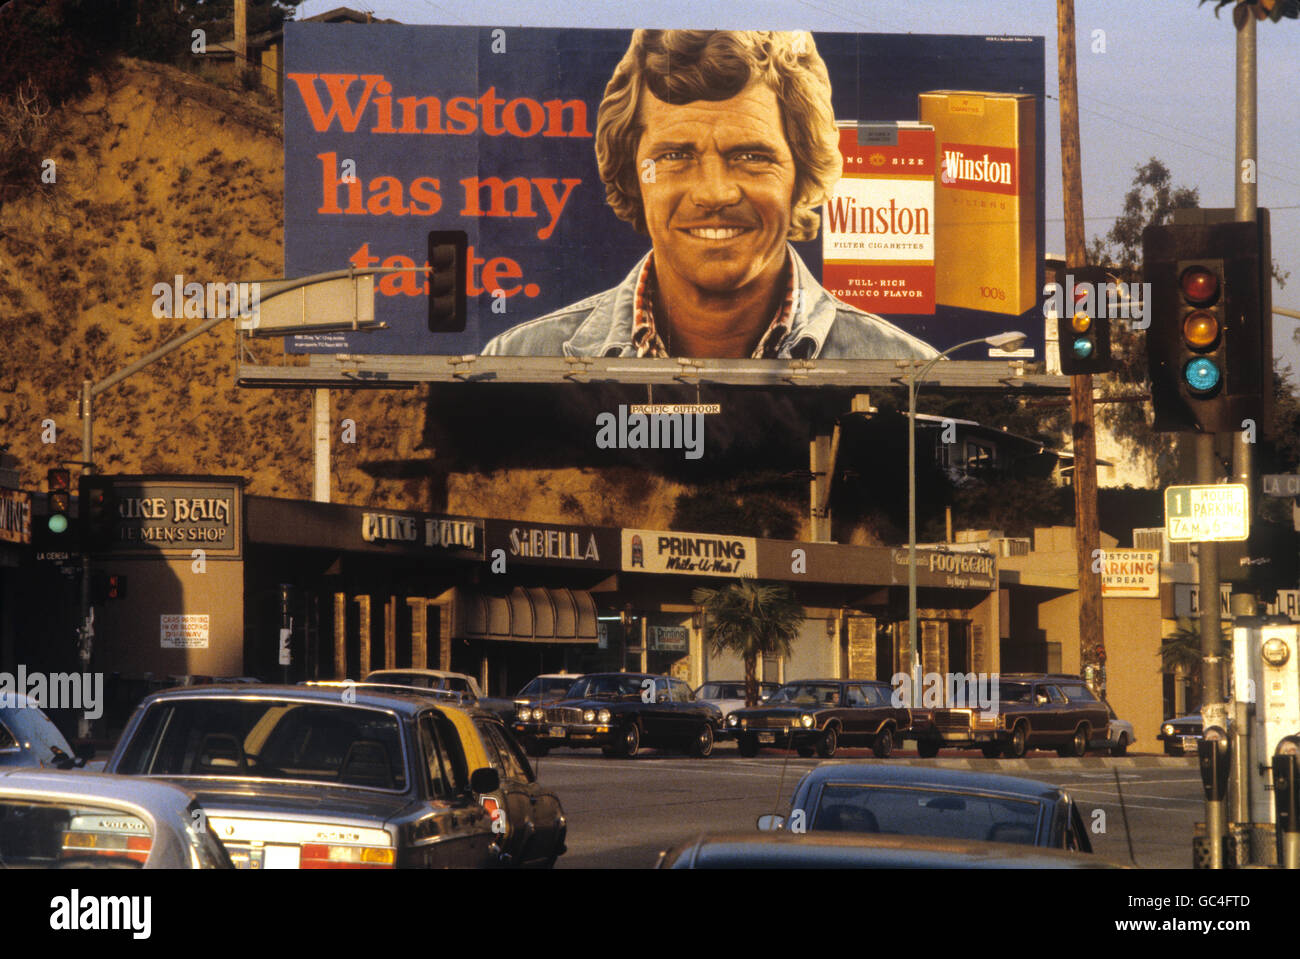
{"x": 546, "y": 688}
{"x": 463, "y": 686}
{"x": 56, "y": 820}
{"x": 622, "y": 713}
{"x": 920, "y": 801}
{"x": 729, "y": 695}
{"x": 821, "y": 715}
{"x": 535, "y": 827}
{"x": 1028, "y": 711}
{"x": 318, "y": 777}
{"x": 1119, "y": 733}
{"x": 1181, "y": 735}
{"x": 841, "y": 851}
{"x": 28, "y": 738}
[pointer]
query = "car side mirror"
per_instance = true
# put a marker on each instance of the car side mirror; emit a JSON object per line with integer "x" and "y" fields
{"x": 770, "y": 822}
{"x": 484, "y": 780}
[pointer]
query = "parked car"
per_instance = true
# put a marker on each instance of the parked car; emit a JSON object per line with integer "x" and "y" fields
{"x": 55, "y": 820}
{"x": 919, "y": 801}
{"x": 821, "y": 715}
{"x": 840, "y": 851}
{"x": 303, "y": 777}
{"x": 729, "y": 695}
{"x": 1119, "y": 733}
{"x": 1181, "y": 735}
{"x": 463, "y": 686}
{"x": 622, "y": 713}
{"x": 28, "y": 738}
{"x": 1028, "y": 711}
{"x": 546, "y": 688}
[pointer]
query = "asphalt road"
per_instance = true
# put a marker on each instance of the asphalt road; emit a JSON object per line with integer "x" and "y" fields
{"x": 623, "y": 813}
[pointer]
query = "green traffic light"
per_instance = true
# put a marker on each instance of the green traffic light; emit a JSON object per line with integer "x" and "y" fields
{"x": 58, "y": 523}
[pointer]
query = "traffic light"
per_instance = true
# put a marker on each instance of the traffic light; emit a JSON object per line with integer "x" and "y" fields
{"x": 1083, "y": 326}
{"x": 448, "y": 260}
{"x": 1210, "y": 344}
{"x": 59, "y": 500}
{"x": 98, "y": 514}
{"x": 107, "y": 586}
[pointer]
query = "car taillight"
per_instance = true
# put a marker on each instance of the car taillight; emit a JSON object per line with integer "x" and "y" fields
{"x": 77, "y": 845}
{"x": 323, "y": 856}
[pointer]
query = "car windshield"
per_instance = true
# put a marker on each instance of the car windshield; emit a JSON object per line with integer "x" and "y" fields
{"x": 1013, "y": 692}
{"x": 548, "y": 686}
{"x": 806, "y": 694}
{"x": 268, "y": 739}
{"x": 912, "y": 811}
{"x": 607, "y": 687}
{"x": 722, "y": 691}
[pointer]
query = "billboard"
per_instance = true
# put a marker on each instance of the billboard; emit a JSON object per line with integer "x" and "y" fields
{"x": 669, "y": 193}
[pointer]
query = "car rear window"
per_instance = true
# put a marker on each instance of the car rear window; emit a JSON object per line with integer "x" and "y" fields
{"x": 1079, "y": 693}
{"x": 309, "y": 742}
{"x": 926, "y": 812}
{"x": 52, "y": 834}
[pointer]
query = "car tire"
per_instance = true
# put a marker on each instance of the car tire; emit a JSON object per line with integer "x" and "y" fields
{"x": 805, "y": 751}
{"x": 991, "y": 750}
{"x": 928, "y": 748}
{"x": 1018, "y": 744}
{"x": 828, "y": 743}
{"x": 1079, "y": 744}
{"x": 748, "y": 745}
{"x": 702, "y": 744}
{"x": 535, "y": 749}
{"x": 883, "y": 744}
{"x": 1121, "y": 747}
{"x": 629, "y": 743}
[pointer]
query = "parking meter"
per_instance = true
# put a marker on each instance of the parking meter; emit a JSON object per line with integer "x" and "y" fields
{"x": 1286, "y": 799}
{"x": 1214, "y": 755}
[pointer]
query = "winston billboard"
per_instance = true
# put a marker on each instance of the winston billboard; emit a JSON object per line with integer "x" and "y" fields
{"x": 726, "y": 194}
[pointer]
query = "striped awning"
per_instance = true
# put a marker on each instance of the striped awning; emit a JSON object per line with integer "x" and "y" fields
{"x": 533, "y": 614}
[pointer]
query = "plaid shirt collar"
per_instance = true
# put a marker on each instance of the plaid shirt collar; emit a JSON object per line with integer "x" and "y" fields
{"x": 647, "y": 342}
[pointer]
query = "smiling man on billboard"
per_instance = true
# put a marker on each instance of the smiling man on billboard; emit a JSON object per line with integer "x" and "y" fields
{"x": 719, "y": 145}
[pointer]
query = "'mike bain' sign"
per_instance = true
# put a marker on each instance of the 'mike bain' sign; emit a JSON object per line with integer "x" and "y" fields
{"x": 698, "y": 554}
{"x": 169, "y": 517}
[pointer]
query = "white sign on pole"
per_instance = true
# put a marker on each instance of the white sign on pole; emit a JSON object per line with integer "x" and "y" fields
{"x": 1200, "y": 514}
{"x": 181, "y": 631}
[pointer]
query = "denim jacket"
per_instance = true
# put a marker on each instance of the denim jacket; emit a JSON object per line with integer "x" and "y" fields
{"x": 822, "y": 328}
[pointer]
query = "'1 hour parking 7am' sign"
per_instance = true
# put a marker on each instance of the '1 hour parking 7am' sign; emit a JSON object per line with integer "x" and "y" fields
{"x": 1204, "y": 514}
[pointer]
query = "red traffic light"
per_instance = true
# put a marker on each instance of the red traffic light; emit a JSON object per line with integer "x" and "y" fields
{"x": 58, "y": 479}
{"x": 1199, "y": 285}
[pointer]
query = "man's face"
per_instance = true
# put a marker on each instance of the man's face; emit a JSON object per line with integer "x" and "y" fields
{"x": 718, "y": 193}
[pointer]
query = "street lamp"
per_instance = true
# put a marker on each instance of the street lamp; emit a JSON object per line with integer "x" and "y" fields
{"x": 1008, "y": 343}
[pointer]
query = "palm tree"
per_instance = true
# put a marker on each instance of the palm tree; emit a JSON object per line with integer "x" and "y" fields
{"x": 1180, "y": 651}
{"x": 751, "y": 619}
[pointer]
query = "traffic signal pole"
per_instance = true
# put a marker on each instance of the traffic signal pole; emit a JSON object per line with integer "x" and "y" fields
{"x": 1087, "y": 536}
{"x": 1246, "y": 202}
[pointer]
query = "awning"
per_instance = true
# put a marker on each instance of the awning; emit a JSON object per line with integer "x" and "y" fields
{"x": 532, "y": 614}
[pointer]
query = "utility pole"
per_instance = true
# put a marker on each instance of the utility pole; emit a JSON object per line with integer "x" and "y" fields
{"x": 1087, "y": 536}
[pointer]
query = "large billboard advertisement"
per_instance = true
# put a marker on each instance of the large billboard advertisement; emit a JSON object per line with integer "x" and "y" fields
{"x": 709, "y": 194}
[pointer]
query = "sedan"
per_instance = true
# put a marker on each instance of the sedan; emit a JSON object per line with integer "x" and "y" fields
{"x": 315, "y": 777}
{"x": 1181, "y": 734}
{"x": 729, "y": 696}
{"x": 94, "y": 821}
{"x": 1119, "y": 733}
{"x": 944, "y": 803}
{"x": 28, "y": 738}
{"x": 813, "y": 851}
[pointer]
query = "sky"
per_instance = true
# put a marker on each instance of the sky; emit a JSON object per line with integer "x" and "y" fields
{"x": 1156, "y": 79}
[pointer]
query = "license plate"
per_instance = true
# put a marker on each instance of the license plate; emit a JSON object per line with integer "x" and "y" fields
{"x": 557, "y": 732}
{"x": 767, "y": 737}
{"x": 280, "y": 857}
{"x": 1189, "y": 742}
